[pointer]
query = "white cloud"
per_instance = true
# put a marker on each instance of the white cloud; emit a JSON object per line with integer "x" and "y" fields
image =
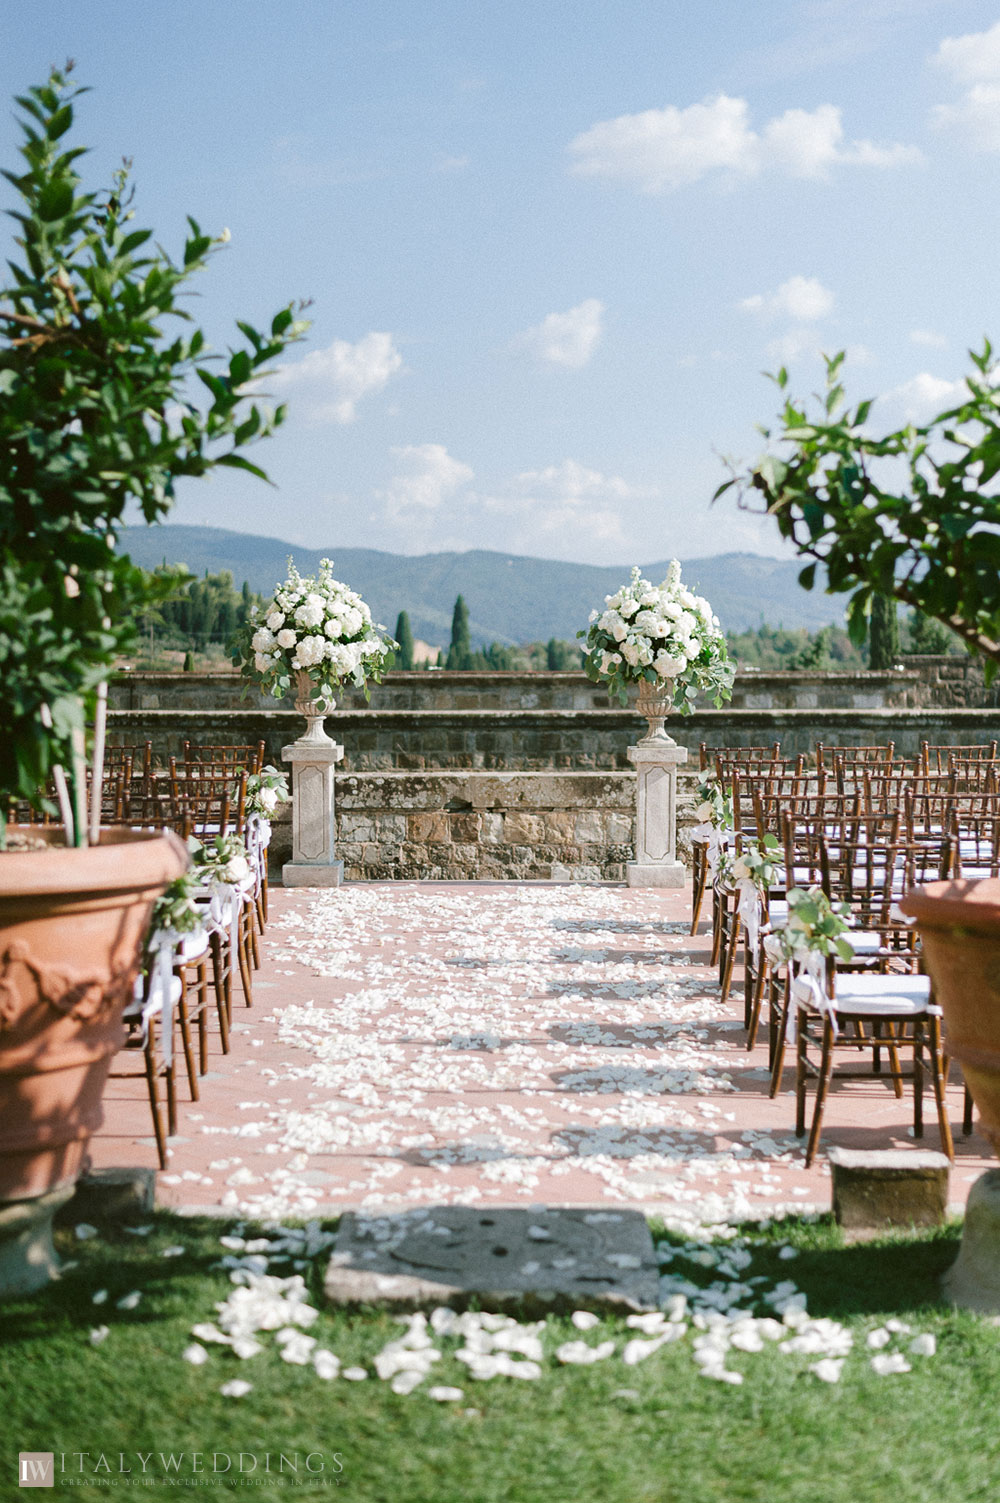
{"x": 659, "y": 150}
{"x": 328, "y": 384}
{"x": 929, "y": 338}
{"x": 924, "y": 396}
{"x": 802, "y": 298}
{"x": 426, "y": 476}
{"x": 567, "y": 339}
{"x": 545, "y": 509}
{"x": 974, "y": 61}
{"x": 976, "y": 116}
{"x": 973, "y": 58}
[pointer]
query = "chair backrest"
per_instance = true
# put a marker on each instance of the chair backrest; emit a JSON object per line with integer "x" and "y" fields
{"x": 708, "y": 754}
{"x": 214, "y": 801}
{"x": 247, "y": 757}
{"x": 806, "y": 797}
{"x": 975, "y": 774}
{"x": 976, "y": 843}
{"x": 853, "y": 756}
{"x": 938, "y": 758}
{"x": 139, "y": 757}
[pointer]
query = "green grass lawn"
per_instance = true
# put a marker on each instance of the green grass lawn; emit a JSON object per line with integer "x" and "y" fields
{"x": 658, "y": 1430}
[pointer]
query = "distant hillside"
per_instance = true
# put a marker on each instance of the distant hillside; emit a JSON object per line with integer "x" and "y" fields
{"x": 510, "y": 599}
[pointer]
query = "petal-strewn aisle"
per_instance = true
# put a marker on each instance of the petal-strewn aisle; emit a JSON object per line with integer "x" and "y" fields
{"x": 507, "y": 1044}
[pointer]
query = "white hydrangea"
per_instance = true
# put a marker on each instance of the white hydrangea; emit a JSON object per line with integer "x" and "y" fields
{"x": 262, "y": 639}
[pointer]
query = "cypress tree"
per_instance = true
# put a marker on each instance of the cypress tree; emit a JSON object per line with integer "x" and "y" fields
{"x": 883, "y": 634}
{"x": 404, "y": 636}
{"x": 460, "y": 652}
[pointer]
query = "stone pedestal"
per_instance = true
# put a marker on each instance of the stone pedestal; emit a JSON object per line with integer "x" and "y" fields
{"x": 656, "y": 761}
{"x": 314, "y": 830}
{"x": 27, "y": 1257}
{"x": 973, "y": 1280}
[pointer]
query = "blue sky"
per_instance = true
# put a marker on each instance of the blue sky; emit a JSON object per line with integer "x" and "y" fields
{"x": 551, "y": 246}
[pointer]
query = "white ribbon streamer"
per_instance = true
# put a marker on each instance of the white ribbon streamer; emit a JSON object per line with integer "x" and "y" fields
{"x": 750, "y": 911}
{"x": 716, "y": 841}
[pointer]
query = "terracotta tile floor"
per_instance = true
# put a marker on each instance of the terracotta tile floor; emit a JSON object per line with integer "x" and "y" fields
{"x": 417, "y": 1044}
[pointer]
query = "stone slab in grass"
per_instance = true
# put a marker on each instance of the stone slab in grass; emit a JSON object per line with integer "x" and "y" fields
{"x": 519, "y": 1261}
{"x": 878, "y": 1189}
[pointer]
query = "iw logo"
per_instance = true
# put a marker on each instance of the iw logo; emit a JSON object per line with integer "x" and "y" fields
{"x": 36, "y": 1469}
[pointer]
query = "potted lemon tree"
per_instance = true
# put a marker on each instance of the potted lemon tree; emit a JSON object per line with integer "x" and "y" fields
{"x": 109, "y": 396}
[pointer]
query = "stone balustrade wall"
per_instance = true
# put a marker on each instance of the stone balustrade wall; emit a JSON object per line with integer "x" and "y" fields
{"x": 536, "y": 792}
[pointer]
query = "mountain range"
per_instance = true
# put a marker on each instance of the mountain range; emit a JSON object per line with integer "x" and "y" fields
{"x": 510, "y": 599}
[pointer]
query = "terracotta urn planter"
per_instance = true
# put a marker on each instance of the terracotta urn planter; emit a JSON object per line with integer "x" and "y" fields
{"x": 959, "y": 923}
{"x": 72, "y": 924}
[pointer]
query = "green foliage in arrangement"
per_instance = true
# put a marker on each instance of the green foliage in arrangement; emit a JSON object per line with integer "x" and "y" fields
{"x": 912, "y": 514}
{"x": 108, "y": 397}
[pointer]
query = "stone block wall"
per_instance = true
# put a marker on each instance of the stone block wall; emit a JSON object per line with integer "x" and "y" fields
{"x": 541, "y": 793}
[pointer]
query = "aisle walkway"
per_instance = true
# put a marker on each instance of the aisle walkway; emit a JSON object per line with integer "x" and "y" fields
{"x": 497, "y": 1044}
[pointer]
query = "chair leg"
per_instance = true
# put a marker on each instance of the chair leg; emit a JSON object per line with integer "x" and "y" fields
{"x": 222, "y": 981}
{"x": 779, "y": 1033}
{"x": 822, "y": 1087}
{"x": 729, "y": 956}
{"x": 185, "y": 1022}
{"x": 918, "y": 1079}
{"x": 937, "y": 1074}
{"x": 699, "y": 874}
{"x": 967, "y": 1112}
{"x": 264, "y": 891}
{"x": 202, "y": 973}
{"x": 154, "y": 1104}
{"x": 757, "y": 1002}
{"x": 801, "y": 1065}
{"x": 243, "y": 955}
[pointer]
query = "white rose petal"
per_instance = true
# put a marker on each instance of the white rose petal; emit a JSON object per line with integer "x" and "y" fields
{"x": 887, "y": 1364}
{"x": 84, "y": 1231}
{"x": 129, "y": 1301}
{"x": 236, "y": 1388}
{"x": 355, "y": 1374}
{"x": 98, "y": 1334}
{"x": 829, "y": 1369}
{"x": 195, "y": 1354}
{"x": 924, "y": 1345}
{"x": 445, "y": 1395}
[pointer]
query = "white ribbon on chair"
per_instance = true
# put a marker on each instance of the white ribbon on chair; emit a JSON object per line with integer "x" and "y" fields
{"x": 258, "y": 838}
{"x": 160, "y": 993}
{"x": 716, "y": 841}
{"x": 809, "y": 986}
{"x": 750, "y": 911}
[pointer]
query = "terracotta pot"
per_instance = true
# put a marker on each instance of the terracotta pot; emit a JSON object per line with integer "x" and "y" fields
{"x": 959, "y": 923}
{"x": 72, "y": 924}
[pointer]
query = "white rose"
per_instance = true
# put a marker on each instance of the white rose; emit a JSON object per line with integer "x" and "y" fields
{"x": 740, "y": 869}
{"x": 703, "y": 812}
{"x": 667, "y": 666}
{"x": 686, "y": 598}
{"x": 645, "y": 655}
{"x": 353, "y": 621}
{"x": 286, "y": 638}
{"x": 311, "y": 611}
{"x": 630, "y": 652}
{"x": 334, "y": 627}
{"x": 261, "y": 663}
{"x": 592, "y": 617}
{"x": 649, "y": 598}
{"x": 644, "y": 621}
{"x": 671, "y": 610}
{"x": 268, "y": 799}
{"x": 262, "y": 640}
{"x": 275, "y": 620}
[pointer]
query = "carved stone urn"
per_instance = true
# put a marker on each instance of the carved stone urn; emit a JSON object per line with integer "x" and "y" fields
{"x": 654, "y": 704}
{"x": 315, "y": 711}
{"x": 72, "y": 925}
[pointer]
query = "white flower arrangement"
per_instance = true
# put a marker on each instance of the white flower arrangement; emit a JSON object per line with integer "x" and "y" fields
{"x": 316, "y": 626}
{"x": 266, "y": 790}
{"x": 663, "y": 635}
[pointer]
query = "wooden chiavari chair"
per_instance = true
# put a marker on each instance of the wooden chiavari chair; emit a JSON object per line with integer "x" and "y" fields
{"x": 245, "y": 758}
{"x": 938, "y": 758}
{"x": 709, "y": 761}
{"x": 880, "y": 1006}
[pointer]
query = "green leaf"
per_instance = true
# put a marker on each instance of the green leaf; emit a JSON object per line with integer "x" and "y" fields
{"x": 807, "y": 576}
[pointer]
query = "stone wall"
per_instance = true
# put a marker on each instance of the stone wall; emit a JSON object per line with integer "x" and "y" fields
{"x": 923, "y": 683}
{"x": 538, "y": 793}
